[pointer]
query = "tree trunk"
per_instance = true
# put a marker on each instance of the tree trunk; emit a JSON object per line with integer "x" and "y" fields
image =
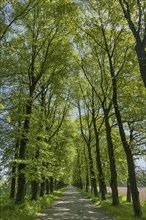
{"x": 141, "y": 53}
{"x": 129, "y": 155}
{"x": 128, "y": 191}
{"x": 94, "y": 184}
{"x": 100, "y": 171}
{"x": 87, "y": 183}
{"x": 98, "y": 156}
{"x": 35, "y": 184}
{"x": 21, "y": 190}
{"x": 34, "y": 191}
{"x": 80, "y": 177}
{"x": 140, "y": 43}
{"x": 51, "y": 184}
{"x": 113, "y": 181}
{"x": 105, "y": 189}
{"x": 99, "y": 166}
{"x": 55, "y": 184}
{"x": 22, "y": 151}
{"x": 92, "y": 174}
{"x": 42, "y": 188}
{"x": 91, "y": 188}
{"x": 87, "y": 175}
{"x": 14, "y": 169}
{"x": 13, "y": 183}
{"x": 47, "y": 186}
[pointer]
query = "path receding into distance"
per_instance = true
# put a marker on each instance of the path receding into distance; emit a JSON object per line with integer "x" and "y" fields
{"x": 72, "y": 205}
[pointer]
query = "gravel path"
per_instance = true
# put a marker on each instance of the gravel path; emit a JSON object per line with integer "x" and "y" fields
{"x": 71, "y": 205}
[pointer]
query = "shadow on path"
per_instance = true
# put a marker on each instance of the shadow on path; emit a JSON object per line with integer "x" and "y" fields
{"x": 71, "y": 205}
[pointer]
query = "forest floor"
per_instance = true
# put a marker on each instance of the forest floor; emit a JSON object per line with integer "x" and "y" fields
{"x": 72, "y": 205}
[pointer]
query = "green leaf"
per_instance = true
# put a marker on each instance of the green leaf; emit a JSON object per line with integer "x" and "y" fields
{"x": 1, "y": 106}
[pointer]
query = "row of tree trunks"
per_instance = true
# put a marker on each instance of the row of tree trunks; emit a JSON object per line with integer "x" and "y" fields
{"x": 87, "y": 139}
{"x": 126, "y": 146}
{"x": 113, "y": 172}
{"x": 87, "y": 172}
{"x": 98, "y": 154}
{"x": 47, "y": 186}
{"x": 101, "y": 180}
{"x": 92, "y": 173}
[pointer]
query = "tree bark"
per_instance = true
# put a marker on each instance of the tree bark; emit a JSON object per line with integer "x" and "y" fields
{"x": 14, "y": 170}
{"x": 98, "y": 163}
{"x": 129, "y": 155}
{"x": 80, "y": 184}
{"x": 92, "y": 174}
{"x": 141, "y": 54}
{"x": 88, "y": 143}
{"x": 113, "y": 181}
{"x": 22, "y": 151}
{"x": 98, "y": 155}
{"x": 13, "y": 183}
{"x": 47, "y": 186}
{"x": 35, "y": 183}
{"x": 35, "y": 187}
{"x": 21, "y": 184}
{"x": 99, "y": 167}
{"x": 140, "y": 40}
{"x": 42, "y": 188}
{"x": 87, "y": 176}
{"x": 55, "y": 184}
{"x": 87, "y": 183}
{"x": 128, "y": 191}
{"x": 51, "y": 184}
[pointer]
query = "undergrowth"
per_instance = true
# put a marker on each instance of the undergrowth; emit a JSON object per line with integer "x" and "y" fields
{"x": 122, "y": 212}
{"x": 27, "y": 210}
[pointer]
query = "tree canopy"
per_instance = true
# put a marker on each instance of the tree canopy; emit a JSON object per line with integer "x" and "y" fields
{"x": 72, "y": 96}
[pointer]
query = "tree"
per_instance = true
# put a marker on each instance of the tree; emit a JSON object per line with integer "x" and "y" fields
{"x": 108, "y": 28}
{"x": 126, "y": 146}
{"x": 11, "y": 12}
{"x": 86, "y": 132}
{"x": 39, "y": 61}
{"x": 72, "y": 99}
{"x": 135, "y": 14}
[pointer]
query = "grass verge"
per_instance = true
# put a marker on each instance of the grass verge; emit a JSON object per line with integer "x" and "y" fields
{"x": 122, "y": 212}
{"x": 27, "y": 210}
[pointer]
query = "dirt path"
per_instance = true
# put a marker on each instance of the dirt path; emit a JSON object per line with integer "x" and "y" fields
{"x": 73, "y": 206}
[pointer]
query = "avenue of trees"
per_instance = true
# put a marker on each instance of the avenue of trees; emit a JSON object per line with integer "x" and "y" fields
{"x": 72, "y": 102}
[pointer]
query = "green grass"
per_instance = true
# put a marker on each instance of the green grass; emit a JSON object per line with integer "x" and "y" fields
{"x": 122, "y": 212}
{"x": 28, "y": 210}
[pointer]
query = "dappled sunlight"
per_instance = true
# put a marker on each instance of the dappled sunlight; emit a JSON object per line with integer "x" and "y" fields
{"x": 90, "y": 212}
{"x": 73, "y": 206}
{"x": 63, "y": 202}
{"x": 82, "y": 200}
{"x": 42, "y": 214}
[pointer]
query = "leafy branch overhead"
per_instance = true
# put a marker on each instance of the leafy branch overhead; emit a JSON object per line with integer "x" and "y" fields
{"x": 72, "y": 99}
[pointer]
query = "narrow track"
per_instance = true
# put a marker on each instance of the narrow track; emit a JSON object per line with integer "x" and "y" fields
{"x": 71, "y": 205}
